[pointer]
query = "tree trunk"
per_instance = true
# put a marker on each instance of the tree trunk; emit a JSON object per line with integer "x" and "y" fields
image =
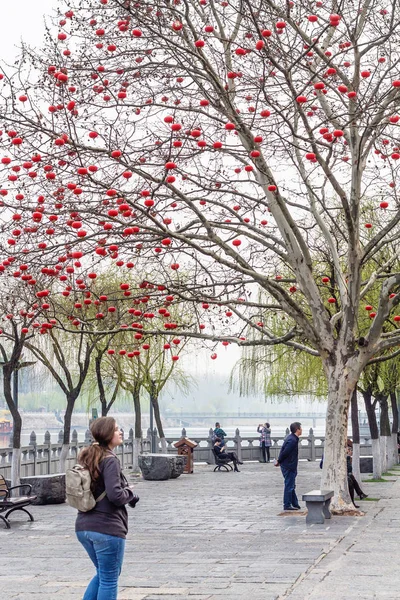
{"x": 138, "y": 413}
{"x": 99, "y": 378}
{"x": 67, "y": 431}
{"x": 355, "y": 425}
{"x": 373, "y": 428}
{"x": 17, "y": 425}
{"x": 137, "y": 440}
{"x": 395, "y": 426}
{"x": 160, "y": 429}
{"x": 385, "y": 431}
{"x": 341, "y": 383}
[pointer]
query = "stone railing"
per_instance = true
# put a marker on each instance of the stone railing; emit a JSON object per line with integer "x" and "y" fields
{"x": 43, "y": 459}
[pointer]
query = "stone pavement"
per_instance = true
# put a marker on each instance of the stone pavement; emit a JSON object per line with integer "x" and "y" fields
{"x": 215, "y": 536}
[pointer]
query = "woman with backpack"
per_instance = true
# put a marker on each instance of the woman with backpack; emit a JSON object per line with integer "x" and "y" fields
{"x": 102, "y": 530}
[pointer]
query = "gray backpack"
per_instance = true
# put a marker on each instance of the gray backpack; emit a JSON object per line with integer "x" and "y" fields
{"x": 77, "y": 487}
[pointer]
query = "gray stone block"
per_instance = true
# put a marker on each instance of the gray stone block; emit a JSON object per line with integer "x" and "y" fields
{"x": 49, "y": 489}
{"x": 366, "y": 464}
{"x": 159, "y": 467}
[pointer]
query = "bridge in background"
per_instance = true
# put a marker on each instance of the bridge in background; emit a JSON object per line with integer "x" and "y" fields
{"x": 188, "y": 419}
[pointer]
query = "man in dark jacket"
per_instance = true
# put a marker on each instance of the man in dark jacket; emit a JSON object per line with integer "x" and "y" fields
{"x": 287, "y": 461}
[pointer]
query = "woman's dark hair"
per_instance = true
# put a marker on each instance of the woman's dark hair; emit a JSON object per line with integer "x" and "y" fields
{"x": 102, "y": 430}
{"x": 349, "y": 443}
{"x": 217, "y": 439}
{"x": 267, "y": 425}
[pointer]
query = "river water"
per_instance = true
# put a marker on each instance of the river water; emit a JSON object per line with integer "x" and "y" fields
{"x": 174, "y": 432}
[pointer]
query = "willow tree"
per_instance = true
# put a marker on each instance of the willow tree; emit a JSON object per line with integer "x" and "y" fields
{"x": 237, "y": 139}
{"x": 155, "y": 366}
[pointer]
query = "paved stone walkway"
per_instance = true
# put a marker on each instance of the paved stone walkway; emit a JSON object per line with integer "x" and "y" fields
{"x": 216, "y": 536}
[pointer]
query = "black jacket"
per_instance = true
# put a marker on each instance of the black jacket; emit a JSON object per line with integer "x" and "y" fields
{"x": 289, "y": 454}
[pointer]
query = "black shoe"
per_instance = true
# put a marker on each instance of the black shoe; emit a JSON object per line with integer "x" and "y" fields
{"x": 290, "y": 508}
{"x": 363, "y": 496}
{"x": 239, "y": 463}
{"x": 236, "y": 470}
{"x": 267, "y": 461}
{"x": 297, "y": 507}
{"x": 356, "y": 505}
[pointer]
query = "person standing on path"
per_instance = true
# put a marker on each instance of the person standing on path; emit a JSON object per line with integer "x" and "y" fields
{"x": 287, "y": 461}
{"x": 219, "y": 433}
{"x": 102, "y": 530}
{"x": 351, "y": 480}
{"x": 265, "y": 441}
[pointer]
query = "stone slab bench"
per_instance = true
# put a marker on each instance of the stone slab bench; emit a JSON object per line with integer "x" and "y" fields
{"x": 317, "y": 502}
{"x": 49, "y": 489}
{"x": 159, "y": 467}
{"x": 366, "y": 464}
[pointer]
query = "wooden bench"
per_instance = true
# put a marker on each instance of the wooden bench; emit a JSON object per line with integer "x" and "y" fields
{"x": 10, "y": 503}
{"x": 317, "y": 502}
{"x": 222, "y": 463}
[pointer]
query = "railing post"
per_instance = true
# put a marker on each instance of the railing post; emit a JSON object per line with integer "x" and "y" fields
{"x": 238, "y": 444}
{"x": 154, "y": 440}
{"x": 123, "y": 449}
{"x": 311, "y": 439}
{"x": 47, "y": 441}
{"x": 88, "y": 437}
{"x": 183, "y": 432}
{"x": 130, "y": 438}
{"x": 211, "y": 459}
{"x": 32, "y": 443}
{"x": 75, "y": 443}
{"x": 148, "y": 441}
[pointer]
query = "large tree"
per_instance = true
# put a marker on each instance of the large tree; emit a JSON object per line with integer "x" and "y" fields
{"x": 241, "y": 140}
{"x": 19, "y": 312}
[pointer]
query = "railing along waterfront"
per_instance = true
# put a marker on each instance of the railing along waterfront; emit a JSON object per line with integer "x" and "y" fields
{"x": 43, "y": 458}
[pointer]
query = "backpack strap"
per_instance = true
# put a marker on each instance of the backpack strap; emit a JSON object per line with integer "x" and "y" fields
{"x": 103, "y": 495}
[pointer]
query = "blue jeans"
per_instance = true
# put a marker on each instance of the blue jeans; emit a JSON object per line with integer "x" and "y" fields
{"x": 106, "y": 553}
{"x": 289, "y": 493}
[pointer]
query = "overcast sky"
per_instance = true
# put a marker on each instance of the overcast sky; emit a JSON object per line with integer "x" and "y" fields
{"x": 23, "y": 19}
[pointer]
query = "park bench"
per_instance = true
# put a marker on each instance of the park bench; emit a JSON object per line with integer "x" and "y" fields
{"x": 222, "y": 463}
{"x": 317, "y": 503}
{"x": 9, "y": 503}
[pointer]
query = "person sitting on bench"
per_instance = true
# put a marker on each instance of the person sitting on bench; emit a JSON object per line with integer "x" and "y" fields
{"x": 221, "y": 453}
